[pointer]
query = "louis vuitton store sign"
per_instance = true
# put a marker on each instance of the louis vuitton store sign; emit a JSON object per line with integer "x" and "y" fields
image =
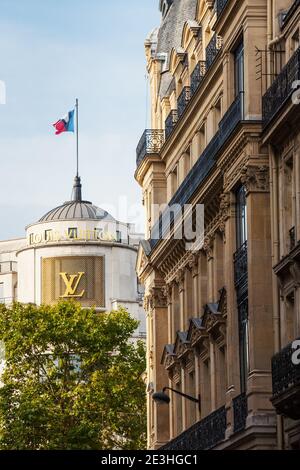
{"x": 81, "y": 278}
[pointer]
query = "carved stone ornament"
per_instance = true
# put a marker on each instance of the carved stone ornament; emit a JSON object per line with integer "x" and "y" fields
{"x": 208, "y": 247}
{"x": 180, "y": 279}
{"x": 158, "y": 298}
{"x": 256, "y": 178}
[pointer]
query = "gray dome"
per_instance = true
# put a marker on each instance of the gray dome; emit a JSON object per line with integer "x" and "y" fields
{"x": 76, "y": 209}
{"x": 82, "y": 210}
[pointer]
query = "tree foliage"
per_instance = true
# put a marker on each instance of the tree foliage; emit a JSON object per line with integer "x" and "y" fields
{"x": 72, "y": 379}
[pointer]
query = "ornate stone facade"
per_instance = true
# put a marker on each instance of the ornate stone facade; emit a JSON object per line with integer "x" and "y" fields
{"x": 229, "y": 305}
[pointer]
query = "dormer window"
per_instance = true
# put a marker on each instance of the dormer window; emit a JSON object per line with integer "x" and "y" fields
{"x": 164, "y": 6}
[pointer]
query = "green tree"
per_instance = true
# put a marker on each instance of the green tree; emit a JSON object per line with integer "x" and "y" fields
{"x": 72, "y": 379}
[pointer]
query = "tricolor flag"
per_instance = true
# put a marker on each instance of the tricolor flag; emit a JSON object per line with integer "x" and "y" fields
{"x": 65, "y": 124}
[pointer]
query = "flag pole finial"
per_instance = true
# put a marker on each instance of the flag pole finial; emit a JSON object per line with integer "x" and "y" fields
{"x": 76, "y": 193}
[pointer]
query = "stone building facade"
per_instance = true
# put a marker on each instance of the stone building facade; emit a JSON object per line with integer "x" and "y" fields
{"x": 223, "y": 134}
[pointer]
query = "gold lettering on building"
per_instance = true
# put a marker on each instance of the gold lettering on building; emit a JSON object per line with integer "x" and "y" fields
{"x": 72, "y": 282}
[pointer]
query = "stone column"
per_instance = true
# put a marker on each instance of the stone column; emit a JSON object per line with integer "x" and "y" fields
{"x": 197, "y": 384}
{"x": 168, "y": 291}
{"x": 261, "y": 345}
{"x": 193, "y": 264}
{"x": 228, "y": 228}
{"x": 208, "y": 248}
{"x": 213, "y": 374}
{"x": 180, "y": 281}
{"x": 158, "y": 306}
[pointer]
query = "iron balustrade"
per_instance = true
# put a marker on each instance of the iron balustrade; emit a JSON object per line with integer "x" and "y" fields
{"x": 8, "y": 266}
{"x": 219, "y": 6}
{"x": 170, "y": 122}
{"x": 183, "y": 101}
{"x": 240, "y": 412}
{"x": 150, "y": 143}
{"x": 200, "y": 170}
{"x": 197, "y": 76}
{"x": 281, "y": 89}
{"x": 241, "y": 265}
{"x": 292, "y": 233}
{"x": 285, "y": 374}
{"x": 212, "y": 50}
{"x": 203, "y": 435}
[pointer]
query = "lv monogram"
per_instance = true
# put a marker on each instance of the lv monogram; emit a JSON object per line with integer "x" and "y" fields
{"x": 72, "y": 282}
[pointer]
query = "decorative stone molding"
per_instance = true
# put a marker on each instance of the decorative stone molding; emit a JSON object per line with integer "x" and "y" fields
{"x": 208, "y": 247}
{"x": 224, "y": 213}
{"x": 193, "y": 264}
{"x": 167, "y": 290}
{"x": 256, "y": 178}
{"x": 180, "y": 279}
{"x": 158, "y": 298}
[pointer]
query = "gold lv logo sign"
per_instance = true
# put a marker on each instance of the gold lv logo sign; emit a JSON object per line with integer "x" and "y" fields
{"x": 72, "y": 282}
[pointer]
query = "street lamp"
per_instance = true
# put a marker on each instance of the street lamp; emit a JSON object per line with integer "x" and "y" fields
{"x": 162, "y": 397}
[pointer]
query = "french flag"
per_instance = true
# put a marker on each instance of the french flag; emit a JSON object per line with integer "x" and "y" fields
{"x": 66, "y": 124}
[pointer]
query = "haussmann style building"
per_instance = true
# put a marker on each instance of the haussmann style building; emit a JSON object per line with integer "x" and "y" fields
{"x": 76, "y": 251}
{"x": 224, "y": 133}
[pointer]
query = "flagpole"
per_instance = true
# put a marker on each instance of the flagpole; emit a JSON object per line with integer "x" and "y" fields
{"x": 77, "y": 146}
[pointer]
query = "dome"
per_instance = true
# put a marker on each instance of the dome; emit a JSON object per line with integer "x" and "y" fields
{"x": 82, "y": 210}
{"x": 76, "y": 209}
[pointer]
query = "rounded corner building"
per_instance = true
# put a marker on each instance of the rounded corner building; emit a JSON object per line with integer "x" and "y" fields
{"x": 75, "y": 251}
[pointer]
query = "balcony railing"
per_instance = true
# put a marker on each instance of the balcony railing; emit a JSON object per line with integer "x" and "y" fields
{"x": 286, "y": 382}
{"x": 171, "y": 122}
{"x": 197, "y": 76}
{"x": 150, "y": 143}
{"x": 201, "y": 169}
{"x": 8, "y": 266}
{"x": 183, "y": 100}
{"x": 241, "y": 265}
{"x": 292, "y": 233}
{"x": 219, "y": 6}
{"x": 212, "y": 50}
{"x": 240, "y": 412}
{"x": 285, "y": 374}
{"x": 281, "y": 89}
{"x": 203, "y": 435}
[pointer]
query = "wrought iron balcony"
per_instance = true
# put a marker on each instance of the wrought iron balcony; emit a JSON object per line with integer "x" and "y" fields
{"x": 292, "y": 234}
{"x": 171, "y": 122}
{"x": 219, "y": 6}
{"x": 281, "y": 89}
{"x": 286, "y": 383}
{"x": 183, "y": 100}
{"x": 197, "y": 76}
{"x": 203, "y": 435}
{"x": 201, "y": 169}
{"x": 212, "y": 50}
{"x": 241, "y": 265}
{"x": 240, "y": 412}
{"x": 150, "y": 143}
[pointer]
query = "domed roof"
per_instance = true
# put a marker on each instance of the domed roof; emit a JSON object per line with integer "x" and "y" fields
{"x": 76, "y": 209}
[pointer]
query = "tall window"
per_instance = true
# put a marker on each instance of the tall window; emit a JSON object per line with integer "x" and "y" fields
{"x": 241, "y": 284}
{"x": 239, "y": 73}
{"x": 241, "y": 215}
{"x": 239, "y": 69}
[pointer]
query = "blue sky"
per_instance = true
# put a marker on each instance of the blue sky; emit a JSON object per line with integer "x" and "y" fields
{"x": 50, "y": 53}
